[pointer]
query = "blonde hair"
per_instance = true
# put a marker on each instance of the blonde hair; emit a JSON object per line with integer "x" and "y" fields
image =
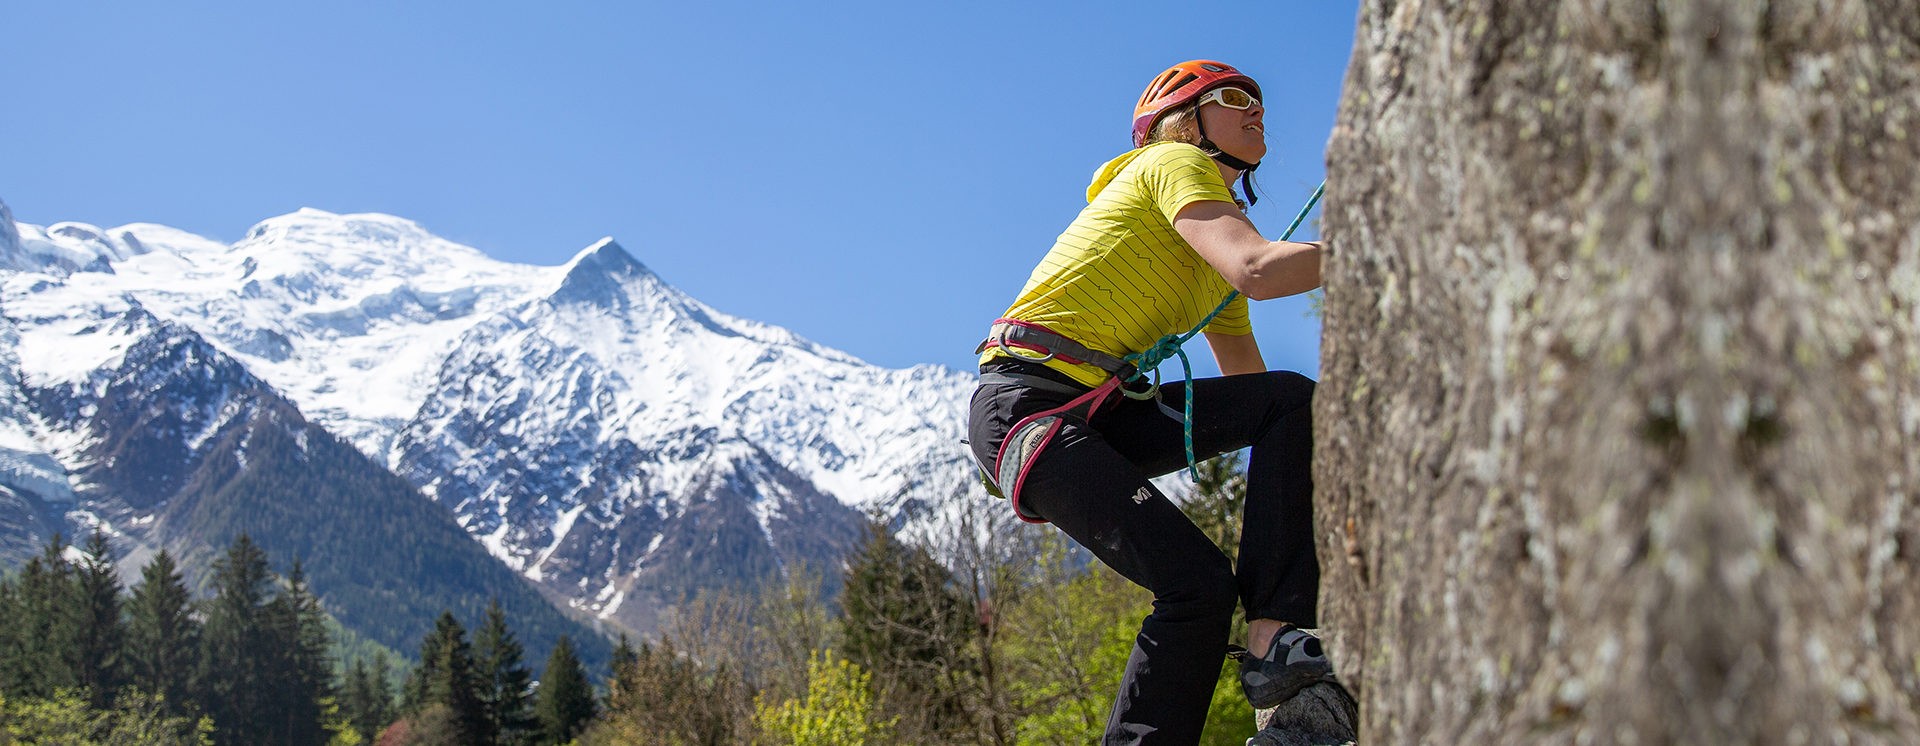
{"x": 1182, "y": 124}
{"x": 1178, "y": 124}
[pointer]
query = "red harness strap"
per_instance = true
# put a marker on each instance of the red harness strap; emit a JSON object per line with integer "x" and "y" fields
{"x": 1030, "y": 436}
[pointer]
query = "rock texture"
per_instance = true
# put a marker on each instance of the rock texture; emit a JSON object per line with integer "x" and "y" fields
{"x": 1620, "y": 419}
{"x": 1320, "y": 715}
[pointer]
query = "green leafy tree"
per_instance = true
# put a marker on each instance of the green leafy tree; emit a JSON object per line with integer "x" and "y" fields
{"x": 564, "y": 704}
{"x": 163, "y": 638}
{"x": 1067, "y": 643}
{"x": 65, "y": 718}
{"x": 795, "y": 620}
{"x": 99, "y": 633}
{"x": 838, "y": 709}
{"x": 11, "y": 637}
{"x": 506, "y": 686}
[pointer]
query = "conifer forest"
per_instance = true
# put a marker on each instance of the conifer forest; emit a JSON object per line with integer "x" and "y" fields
{"x": 998, "y": 633}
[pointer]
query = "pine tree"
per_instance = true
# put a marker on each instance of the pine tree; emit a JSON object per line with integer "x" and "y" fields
{"x": 565, "y": 703}
{"x": 624, "y": 681}
{"x": 303, "y": 679}
{"x": 12, "y": 637}
{"x": 98, "y": 631}
{"x": 41, "y": 639}
{"x": 380, "y": 676}
{"x": 163, "y": 638}
{"x": 237, "y": 659}
{"x": 446, "y": 677}
{"x": 506, "y": 691}
{"x": 365, "y": 701}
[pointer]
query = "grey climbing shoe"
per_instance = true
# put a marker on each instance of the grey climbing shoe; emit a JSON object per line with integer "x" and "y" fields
{"x": 1293, "y": 661}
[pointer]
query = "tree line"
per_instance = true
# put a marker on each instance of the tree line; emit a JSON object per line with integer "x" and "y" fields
{"x": 85, "y": 661}
{"x": 993, "y": 632}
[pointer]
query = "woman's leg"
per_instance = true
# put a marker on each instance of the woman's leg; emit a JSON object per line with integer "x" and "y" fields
{"x": 1102, "y": 500}
{"x": 1091, "y": 483}
{"x": 1279, "y": 575}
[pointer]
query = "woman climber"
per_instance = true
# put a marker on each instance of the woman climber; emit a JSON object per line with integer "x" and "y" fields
{"x": 1060, "y": 422}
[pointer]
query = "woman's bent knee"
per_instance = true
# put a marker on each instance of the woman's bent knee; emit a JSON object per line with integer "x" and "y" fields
{"x": 1209, "y": 592}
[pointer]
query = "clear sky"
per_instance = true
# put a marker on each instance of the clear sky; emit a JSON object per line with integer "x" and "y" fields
{"x": 876, "y": 176}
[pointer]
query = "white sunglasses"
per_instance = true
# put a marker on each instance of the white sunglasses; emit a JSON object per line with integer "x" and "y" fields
{"x": 1230, "y": 97}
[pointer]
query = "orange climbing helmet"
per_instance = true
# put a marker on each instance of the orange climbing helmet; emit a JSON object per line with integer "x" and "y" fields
{"x": 1179, "y": 84}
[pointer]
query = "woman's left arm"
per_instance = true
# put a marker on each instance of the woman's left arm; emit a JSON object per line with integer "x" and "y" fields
{"x": 1236, "y": 353}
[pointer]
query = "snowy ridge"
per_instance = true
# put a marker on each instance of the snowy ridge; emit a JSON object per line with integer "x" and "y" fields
{"x": 25, "y": 462}
{"x": 572, "y": 417}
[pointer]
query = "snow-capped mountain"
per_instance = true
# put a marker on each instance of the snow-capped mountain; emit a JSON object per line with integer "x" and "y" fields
{"x": 596, "y": 429}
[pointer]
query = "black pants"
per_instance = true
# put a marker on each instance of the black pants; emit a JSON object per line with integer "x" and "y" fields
{"x": 1091, "y": 482}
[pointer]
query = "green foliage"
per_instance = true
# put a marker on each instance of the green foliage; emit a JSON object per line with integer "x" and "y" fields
{"x": 265, "y": 672}
{"x": 384, "y": 558}
{"x": 906, "y": 624}
{"x": 564, "y": 705}
{"x": 38, "y": 644}
{"x": 505, "y": 684}
{"x": 795, "y": 621}
{"x": 434, "y": 725}
{"x": 366, "y": 701}
{"x": 304, "y": 671}
{"x": 261, "y": 668}
{"x": 98, "y": 634}
{"x": 163, "y": 638}
{"x": 66, "y": 718}
{"x": 237, "y": 655}
{"x": 446, "y": 679}
{"x": 1067, "y": 644}
{"x": 838, "y": 709}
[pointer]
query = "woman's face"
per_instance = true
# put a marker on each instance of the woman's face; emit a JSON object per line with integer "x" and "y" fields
{"x": 1241, "y": 133}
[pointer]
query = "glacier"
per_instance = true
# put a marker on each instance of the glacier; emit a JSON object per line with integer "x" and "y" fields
{"x": 577, "y": 419}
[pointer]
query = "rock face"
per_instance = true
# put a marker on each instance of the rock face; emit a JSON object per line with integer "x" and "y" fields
{"x": 1620, "y": 417}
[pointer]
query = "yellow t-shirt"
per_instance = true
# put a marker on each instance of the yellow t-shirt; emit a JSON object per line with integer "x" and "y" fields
{"x": 1120, "y": 278}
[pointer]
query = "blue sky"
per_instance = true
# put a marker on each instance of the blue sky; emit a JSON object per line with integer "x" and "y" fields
{"x": 876, "y": 176}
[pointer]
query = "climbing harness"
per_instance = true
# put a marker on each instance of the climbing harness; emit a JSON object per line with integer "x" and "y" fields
{"x": 1032, "y": 434}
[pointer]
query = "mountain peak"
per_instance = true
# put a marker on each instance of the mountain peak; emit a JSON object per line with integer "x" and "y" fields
{"x": 599, "y": 274}
{"x": 313, "y": 225}
{"x": 605, "y": 256}
{"x": 11, "y": 256}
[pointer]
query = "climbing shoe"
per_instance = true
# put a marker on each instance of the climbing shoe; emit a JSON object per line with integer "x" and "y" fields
{"x": 1293, "y": 661}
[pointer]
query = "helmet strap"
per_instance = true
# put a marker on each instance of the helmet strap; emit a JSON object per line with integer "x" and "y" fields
{"x": 1246, "y": 169}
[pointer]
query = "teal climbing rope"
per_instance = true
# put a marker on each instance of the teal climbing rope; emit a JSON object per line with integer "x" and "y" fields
{"x": 1173, "y": 345}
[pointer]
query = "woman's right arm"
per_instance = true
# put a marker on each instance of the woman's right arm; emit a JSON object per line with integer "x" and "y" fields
{"x": 1258, "y": 268}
